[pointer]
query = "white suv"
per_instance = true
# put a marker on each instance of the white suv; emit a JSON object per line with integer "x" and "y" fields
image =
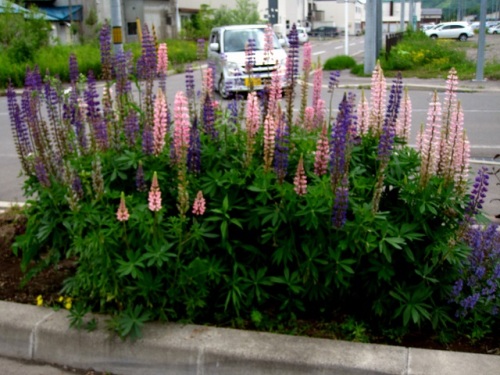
{"x": 227, "y": 53}
{"x": 451, "y": 30}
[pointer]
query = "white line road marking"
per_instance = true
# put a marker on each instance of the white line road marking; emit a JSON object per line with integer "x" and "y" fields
{"x": 339, "y": 47}
{"x": 318, "y": 53}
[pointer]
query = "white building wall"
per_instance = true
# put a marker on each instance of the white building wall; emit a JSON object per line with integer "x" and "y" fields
{"x": 334, "y": 12}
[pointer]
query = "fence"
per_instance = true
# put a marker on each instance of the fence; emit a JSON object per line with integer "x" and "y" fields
{"x": 391, "y": 40}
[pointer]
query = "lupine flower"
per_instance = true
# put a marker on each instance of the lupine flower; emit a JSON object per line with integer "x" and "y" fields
{"x": 429, "y": 140}
{"x": 339, "y": 216}
{"x": 209, "y": 117}
{"x": 306, "y": 68}
{"x": 140, "y": 183}
{"x": 147, "y": 140}
{"x": 403, "y": 123}
{"x": 33, "y": 80}
{"x": 100, "y": 132}
{"x": 389, "y": 126}
{"x": 233, "y": 112}
{"x": 478, "y": 193}
{"x": 363, "y": 112}
{"x": 208, "y": 82}
{"x": 339, "y": 142}
{"x": 281, "y": 150}
{"x": 252, "y": 115}
{"x": 448, "y": 126}
{"x": 317, "y": 85}
{"x": 73, "y": 69}
{"x": 309, "y": 116}
{"x": 154, "y": 198}
{"x": 41, "y": 173}
{"x": 19, "y": 129}
{"x": 122, "y": 213}
{"x": 300, "y": 179}
{"x": 200, "y": 49}
{"x": 462, "y": 163}
{"x": 274, "y": 92}
{"x": 122, "y": 70}
{"x": 269, "y": 139}
{"x": 194, "y": 152}
{"x": 268, "y": 43}
{"x": 105, "y": 45}
{"x": 131, "y": 128}
{"x": 162, "y": 65}
{"x": 189, "y": 82}
{"x": 146, "y": 64}
{"x": 199, "y": 204}
{"x": 322, "y": 153}
{"x": 292, "y": 71}
{"x": 307, "y": 57}
{"x": 182, "y": 127}
{"x": 160, "y": 128}
{"x": 319, "y": 114}
{"x": 333, "y": 80}
{"x": 97, "y": 178}
{"x": 377, "y": 99}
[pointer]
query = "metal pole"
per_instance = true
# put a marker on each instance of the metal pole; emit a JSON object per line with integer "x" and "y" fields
{"x": 346, "y": 34}
{"x": 402, "y": 23}
{"x": 481, "y": 42}
{"x": 116, "y": 23}
{"x": 378, "y": 29}
{"x": 411, "y": 16}
{"x": 370, "y": 37}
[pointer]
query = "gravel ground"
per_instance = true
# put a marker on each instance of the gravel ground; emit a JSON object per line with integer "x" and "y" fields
{"x": 492, "y": 48}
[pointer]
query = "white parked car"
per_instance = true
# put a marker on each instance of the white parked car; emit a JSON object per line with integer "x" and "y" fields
{"x": 494, "y": 29}
{"x": 227, "y": 53}
{"x": 451, "y": 30}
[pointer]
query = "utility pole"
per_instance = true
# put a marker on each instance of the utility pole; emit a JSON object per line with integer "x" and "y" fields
{"x": 346, "y": 33}
{"x": 116, "y": 23}
{"x": 378, "y": 29}
{"x": 412, "y": 15}
{"x": 480, "y": 45}
{"x": 402, "y": 23}
{"x": 370, "y": 37}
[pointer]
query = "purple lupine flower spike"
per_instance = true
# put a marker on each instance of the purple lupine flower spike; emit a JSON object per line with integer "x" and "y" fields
{"x": 281, "y": 150}
{"x": 105, "y": 46}
{"x": 389, "y": 126}
{"x": 194, "y": 150}
{"x": 73, "y": 69}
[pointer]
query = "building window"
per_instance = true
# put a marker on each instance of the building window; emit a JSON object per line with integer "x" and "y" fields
{"x": 132, "y": 28}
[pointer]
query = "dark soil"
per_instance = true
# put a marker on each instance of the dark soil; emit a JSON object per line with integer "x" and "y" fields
{"x": 48, "y": 284}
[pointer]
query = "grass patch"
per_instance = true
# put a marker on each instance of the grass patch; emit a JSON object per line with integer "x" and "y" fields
{"x": 340, "y": 62}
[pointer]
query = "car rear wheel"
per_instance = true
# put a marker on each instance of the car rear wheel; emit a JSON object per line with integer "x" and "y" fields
{"x": 463, "y": 37}
{"x": 223, "y": 92}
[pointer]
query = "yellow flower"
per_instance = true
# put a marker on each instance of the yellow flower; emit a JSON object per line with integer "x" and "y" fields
{"x": 60, "y": 299}
{"x": 39, "y": 300}
{"x": 67, "y": 303}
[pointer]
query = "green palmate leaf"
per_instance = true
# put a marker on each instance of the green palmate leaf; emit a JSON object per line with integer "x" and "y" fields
{"x": 132, "y": 265}
{"x": 157, "y": 255}
{"x": 131, "y": 321}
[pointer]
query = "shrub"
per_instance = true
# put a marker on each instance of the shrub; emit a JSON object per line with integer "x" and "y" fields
{"x": 339, "y": 63}
{"x": 198, "y": 215}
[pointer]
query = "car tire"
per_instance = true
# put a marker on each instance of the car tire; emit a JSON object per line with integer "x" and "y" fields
{"x": 221, "y": 87}
{"x": 434, "y": 36}
{"x": 463, "y": 37}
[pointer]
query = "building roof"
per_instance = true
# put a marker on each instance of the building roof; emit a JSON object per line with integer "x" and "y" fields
{"x": 62, "y": 13}
{"x": 8, "y": 6}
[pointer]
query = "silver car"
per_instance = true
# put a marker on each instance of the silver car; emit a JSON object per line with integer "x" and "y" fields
{"x": 226, "y": 53}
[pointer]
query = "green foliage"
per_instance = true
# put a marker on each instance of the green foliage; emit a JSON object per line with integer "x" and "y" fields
{"x": 21, "y": 35}
{"x": 339, "y": 62}
{"x": 244, "y": 13}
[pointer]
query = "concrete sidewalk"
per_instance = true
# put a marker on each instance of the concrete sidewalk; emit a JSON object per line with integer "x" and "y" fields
{"x": 43, "y": 335}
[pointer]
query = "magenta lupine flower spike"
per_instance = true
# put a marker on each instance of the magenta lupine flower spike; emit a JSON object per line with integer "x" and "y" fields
{"x": 182, "y": 127}
{"x": 403, "y": 123}
{"x": 322, "y": 153}
{"x": 275, "y": 92}
{"x": 319, "y": 114}
{"x": 306, "y": 68}
{"x": 268, "y": 43}
{"x": 199, "y": 204}
{"x": 309, "y": 118}
{"x": 160, "y": 123}
{"x": 317, "y": 84}
{"x": 449, "y": 116}
{"x": 300, "y": 179}
{"x": 462, "y": 164}
{"x": 363, "y": 114}
{"x": 429, "y": 140}
{"x": 162, "y": 65}
{"x": 252, "y": 121}
{"x": 122, "y": 213}
{"x": 154, "y": 198}
{"x": 377, "y": 99}
{"x": 269, "y": 140}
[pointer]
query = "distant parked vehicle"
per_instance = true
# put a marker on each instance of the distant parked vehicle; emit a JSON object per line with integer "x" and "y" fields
{"x": 451, "y": 30}
{"x": 325, "y": 31}
{"x": 427, "y": 26}
{"x": 494, "y": 30}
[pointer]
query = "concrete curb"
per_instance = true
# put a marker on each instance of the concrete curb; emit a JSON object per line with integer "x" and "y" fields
{"x": 41, "y": 334}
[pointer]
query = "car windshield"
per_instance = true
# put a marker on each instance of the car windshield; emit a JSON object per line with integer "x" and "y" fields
{"x": 235, "y": 40}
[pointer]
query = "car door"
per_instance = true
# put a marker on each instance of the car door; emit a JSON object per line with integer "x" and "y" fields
{"x": 215, "y": 56}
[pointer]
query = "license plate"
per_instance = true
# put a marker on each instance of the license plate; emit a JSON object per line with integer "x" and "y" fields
{"x": 254, "y": 81}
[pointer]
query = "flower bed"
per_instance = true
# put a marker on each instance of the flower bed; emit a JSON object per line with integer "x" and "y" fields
{"x": 208, "y": 212}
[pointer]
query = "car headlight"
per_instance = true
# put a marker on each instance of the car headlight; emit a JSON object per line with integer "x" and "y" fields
{"x": 233, "y": 68}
